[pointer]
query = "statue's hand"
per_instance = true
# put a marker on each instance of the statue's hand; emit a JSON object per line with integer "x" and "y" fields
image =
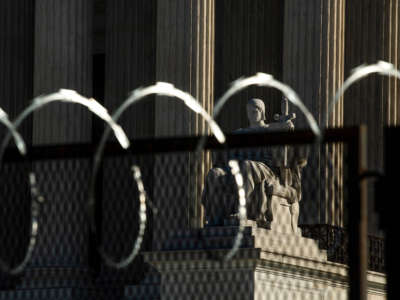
{"x": 283, "y": 122}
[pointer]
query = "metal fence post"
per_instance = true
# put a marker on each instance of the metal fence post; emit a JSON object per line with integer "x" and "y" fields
{"x": 358, "y": 226}
{"x": 388, "y": 213}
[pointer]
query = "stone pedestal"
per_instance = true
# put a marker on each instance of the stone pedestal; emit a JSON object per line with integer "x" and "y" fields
{"x": 282, "y": 223}
{"x": 267, "y": 266}
{"x": 53, "y": 283}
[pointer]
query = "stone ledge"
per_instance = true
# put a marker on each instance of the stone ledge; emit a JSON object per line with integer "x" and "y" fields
{"x": 200, "y": 255}
{"x": 221, "y": 237}
{"x": 54, "y": 293}
{"x": 251, "y": 272}
{"x": 270, "y": 262}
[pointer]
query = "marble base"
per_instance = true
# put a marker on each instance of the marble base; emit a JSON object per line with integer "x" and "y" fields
{"x": 282, "y": 218}
{"x": 53, "y": 283}
{"x": 48, "y": 294}
{"x": 267, "y": 266}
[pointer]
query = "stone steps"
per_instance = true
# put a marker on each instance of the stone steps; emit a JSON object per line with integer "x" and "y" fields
{"x": 200, "y": 255}
{"x": 212, "y": 231}
{"x": 148, "y": 289}
{"x": 143, "y": 292}
{"x": 206, "y": 247}
{"x": 209, "y": 243}
{"x": 48, "y": 294}
{"x": 222, "y": 237}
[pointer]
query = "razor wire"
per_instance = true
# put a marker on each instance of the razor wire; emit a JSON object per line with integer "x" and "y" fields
{"x": 265, "y": 80}
{"x": 163, "y": 89}
{"x": 17, "y": 137}
{"x": 36, "y": 199}
{"x": 137, "y": 177}
{"x": 62, "y": 95}
{"x": 381, "y": 67}
{"x": 166, "y": 89}
{"x": 70, "y": 96}
{"x": 358, "y": 73}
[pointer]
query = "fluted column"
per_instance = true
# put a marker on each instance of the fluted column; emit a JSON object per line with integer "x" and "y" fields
{"x": 130, "y": 60}
{"x": 313, "y": 64}
{"x": 130, "y": 47}
{"x": 16, "y": 59}
{"x": 16, "y": 83}
{"x": 372, "y": 30}
{"x": 374, "y": 100}
{"x": 185, "y": 57}
{"x": 391, "y": 38}
{"x": 62, "y": 60}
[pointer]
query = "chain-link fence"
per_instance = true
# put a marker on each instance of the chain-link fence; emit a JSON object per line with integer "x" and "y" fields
{"x": 293, "y": 242}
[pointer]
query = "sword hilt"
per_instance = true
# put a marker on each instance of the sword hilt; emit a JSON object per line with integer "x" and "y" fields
{"x": 284, "y": 118}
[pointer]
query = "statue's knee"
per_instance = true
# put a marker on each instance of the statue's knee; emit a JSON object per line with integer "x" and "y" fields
{"x": 245, "y": 165}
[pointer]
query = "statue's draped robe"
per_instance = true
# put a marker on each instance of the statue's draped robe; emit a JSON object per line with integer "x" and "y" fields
{"x": 259, "y": 172}
{"x": 260, "y": 168}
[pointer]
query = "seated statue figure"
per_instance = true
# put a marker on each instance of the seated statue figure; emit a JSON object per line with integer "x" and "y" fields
{"x": 262, "y": 179}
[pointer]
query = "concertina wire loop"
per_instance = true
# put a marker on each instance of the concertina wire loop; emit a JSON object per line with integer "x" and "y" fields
{"x": 36, "y": 199}
{"x": 62, "y": 95}
{"x": 163, "y": 89}
{"x": 167, "y": 90}
{"x": 362, "y": 71}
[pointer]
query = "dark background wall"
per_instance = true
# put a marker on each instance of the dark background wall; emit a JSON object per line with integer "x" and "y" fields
{"x": 248, "y": 39}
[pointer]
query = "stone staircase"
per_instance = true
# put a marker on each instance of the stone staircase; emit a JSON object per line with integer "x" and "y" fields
{"x": 223, "y": 237}
{"x": 149, "y": 288}
{"x": 213, "y": 243}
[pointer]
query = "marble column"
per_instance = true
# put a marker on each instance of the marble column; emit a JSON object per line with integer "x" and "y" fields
{"x": 374, "y": 100}
{"x": 16, "y": 85}
{"x": 391, "y": 38}
{"x": 130, "y": 61}
{"x": 63, "y": 59}
{"x": 16, "y": 59}
{"x": 313, "y": 64}
{"x": 185, "y": 57}
{"x": 372, "y": 34}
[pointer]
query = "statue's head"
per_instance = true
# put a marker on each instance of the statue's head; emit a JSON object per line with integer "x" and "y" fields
{"x": 255, "y": 109}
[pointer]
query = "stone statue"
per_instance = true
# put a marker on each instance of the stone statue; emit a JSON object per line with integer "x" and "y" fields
{"x": 263, "y": 179}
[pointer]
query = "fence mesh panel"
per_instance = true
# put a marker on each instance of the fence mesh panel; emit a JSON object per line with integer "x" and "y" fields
{"x": 192, "y": 224}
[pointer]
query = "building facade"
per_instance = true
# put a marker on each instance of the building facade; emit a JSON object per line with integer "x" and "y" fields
{"x": 106, "y": 49}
